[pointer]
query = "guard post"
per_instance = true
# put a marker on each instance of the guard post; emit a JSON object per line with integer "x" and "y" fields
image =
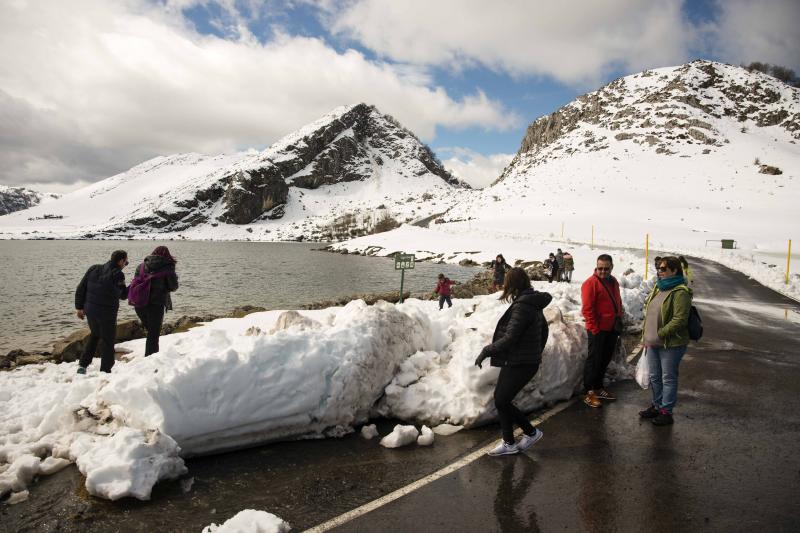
{"x": 402, "y": 262}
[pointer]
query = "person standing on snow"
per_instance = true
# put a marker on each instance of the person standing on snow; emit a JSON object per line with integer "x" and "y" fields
{"x": 666, "y": 336}
{"x": 160, "y": 265}
{"x": 500, "y": 268}
{"x": 602, "y": 312}
{"x": 552, "y": 267}
{"x": 97, "y": 300}
{"x": 517, "y": 345}
{"x": 569, "y": 266}
{"x": 443, "y": 290}
{"x": 560, "y": 263}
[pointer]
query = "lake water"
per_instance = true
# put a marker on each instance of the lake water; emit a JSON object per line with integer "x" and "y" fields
{"x": 38, "y": 280}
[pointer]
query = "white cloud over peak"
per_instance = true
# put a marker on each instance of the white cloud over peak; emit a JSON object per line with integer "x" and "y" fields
{"x": 476, "y": 169}
{"x": 89, "y": 88}
{"x": 573, "y": 41}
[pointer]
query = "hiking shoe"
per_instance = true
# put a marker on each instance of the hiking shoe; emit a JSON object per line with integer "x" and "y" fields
{"x": 605, "y": 395}
{"x": 663, "y": 419}
{"x": 81, "y": 370}
{"x": 650, "y": 412}
{"x": 504, "y": 448}
{"x": 591, "y": 400}
{"x": 526, "y": 441}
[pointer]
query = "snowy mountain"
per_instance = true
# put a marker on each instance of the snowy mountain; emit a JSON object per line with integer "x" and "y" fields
{"x": 338, "y": 176}
{"x": 18, "y": 198}
{"x": 697, "y": 152}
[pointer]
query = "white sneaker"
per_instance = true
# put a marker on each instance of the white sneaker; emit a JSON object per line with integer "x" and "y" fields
{"x": 527, "y": 441}
{"x": 504, "y": 449}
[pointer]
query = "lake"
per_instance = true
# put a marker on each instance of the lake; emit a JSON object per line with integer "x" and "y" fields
{"x": 38, "y": 280}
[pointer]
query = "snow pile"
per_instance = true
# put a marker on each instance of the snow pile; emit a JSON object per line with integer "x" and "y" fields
{"x": 400, "y": 436}
{"x": 426, "y": 437}
{"x": 369, "y": 432}
{"x": 229, "y": 384}
{"x": 250, "y": 521}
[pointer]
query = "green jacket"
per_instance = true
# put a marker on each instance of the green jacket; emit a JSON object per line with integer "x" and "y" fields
{"x": 674, "y": 330}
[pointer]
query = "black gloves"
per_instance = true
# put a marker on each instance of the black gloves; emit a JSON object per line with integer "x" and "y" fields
{"x": 483, "y": 355}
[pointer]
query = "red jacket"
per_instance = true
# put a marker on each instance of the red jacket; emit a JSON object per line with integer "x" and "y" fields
{"x": 443, "y": 287}
{"x": 597, "y": 308}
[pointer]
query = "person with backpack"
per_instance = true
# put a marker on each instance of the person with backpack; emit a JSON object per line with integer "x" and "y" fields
{"x": 500, "y": 268}
{"x": 665, "y": 337}
{"x": 517, "y": 345}
{"x": 569, "y": 266}
{"x": 97, "y": 300}
{"x": 150, "y": 293}
{"x": 602, "y": 313}
{"x": 443, "y": 290}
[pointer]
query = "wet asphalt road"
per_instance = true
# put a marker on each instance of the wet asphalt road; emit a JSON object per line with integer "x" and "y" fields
{"x": 731, "y": 462}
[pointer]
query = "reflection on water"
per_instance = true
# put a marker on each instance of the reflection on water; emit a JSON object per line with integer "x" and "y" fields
{"x": 38, "y": 280}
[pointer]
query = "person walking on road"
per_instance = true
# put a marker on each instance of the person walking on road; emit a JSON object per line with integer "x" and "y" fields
{"x": 159, "y": 267}
{"x": 97, "y": 300}
{"x": 517, "y": 345}
{"x": 500, "y": 268}
{"x": 602, "y": 312}
{"x": 666, "y": 337}
{"x": 560, "y": 264}
{"x": 443, "y": 290}
{"x": 569, "y": 266}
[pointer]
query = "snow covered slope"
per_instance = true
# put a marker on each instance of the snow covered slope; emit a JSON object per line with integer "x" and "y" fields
{"x": 18, "y": 198}
{"x": 354, "y": 164}
{"x": 689, "y": 153}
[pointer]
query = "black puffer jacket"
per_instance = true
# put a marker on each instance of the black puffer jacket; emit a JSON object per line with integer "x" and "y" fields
{"x": 101, "y": 289}
{"x": 160, "y": 287}
{"x": 521, "y": 333}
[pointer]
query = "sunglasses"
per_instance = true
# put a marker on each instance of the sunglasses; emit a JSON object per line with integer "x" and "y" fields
{"x": 603, "y": 269}
{"x": 662, "y": 269}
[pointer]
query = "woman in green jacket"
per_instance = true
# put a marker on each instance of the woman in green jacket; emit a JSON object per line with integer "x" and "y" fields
{"x": 666, "y": 336}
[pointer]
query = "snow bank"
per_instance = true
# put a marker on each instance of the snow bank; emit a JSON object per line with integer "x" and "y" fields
{"x": 250, "y": 521}
{"x": 273, "y": 376}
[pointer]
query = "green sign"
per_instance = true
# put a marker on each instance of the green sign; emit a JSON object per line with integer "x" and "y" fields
{"x": 403, "y": 261}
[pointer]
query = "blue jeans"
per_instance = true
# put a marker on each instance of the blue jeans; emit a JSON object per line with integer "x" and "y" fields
{"x": 663, "y": 365}
{"x": 443, "y": 299}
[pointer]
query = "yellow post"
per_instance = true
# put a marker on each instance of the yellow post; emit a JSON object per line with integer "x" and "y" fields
{"x": 788, "y": 261}
{"x": 592, "y": 235}
{"x": 646, "y": 254}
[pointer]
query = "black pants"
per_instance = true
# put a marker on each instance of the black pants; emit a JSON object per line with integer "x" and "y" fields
{"x": 103, "y": 328}
{"x": 512, "y": 379}
{"x": 601, "y": 350}
{"x": 152, "y": 316}
{"x": 443, "y": 299}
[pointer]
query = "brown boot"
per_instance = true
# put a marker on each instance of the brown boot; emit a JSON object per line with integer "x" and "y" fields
{"x": 591, "y": 400}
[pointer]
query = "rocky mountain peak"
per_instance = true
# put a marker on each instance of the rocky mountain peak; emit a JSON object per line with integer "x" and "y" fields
{"x": 663, "y": 109}
{"x": 18, "y": 198}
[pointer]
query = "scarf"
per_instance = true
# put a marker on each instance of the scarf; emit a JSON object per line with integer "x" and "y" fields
{"x": 671, "y": 282}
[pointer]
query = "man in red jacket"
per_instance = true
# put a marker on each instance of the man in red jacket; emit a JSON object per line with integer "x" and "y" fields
{"x": 602, "y": 312}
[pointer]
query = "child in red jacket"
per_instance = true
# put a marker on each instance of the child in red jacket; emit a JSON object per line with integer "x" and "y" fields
{"x": 443, "y": 290}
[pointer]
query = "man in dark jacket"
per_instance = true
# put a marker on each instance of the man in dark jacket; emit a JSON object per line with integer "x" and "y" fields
{"x": 602, "y": 313}
{"x": 97, "y": 300}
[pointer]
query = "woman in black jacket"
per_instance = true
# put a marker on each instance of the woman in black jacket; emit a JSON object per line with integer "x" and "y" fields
{"x": 516, "y": 348}
{"x": 162, "y": 265}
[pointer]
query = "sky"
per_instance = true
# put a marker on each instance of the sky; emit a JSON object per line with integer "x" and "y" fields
{"x": 90, "y": 88}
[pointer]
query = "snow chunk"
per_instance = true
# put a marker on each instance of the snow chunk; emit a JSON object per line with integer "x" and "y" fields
{"x": 447, "y": 429}
{"x": 250, "y": 521}
{"x": 400, "y": 436}
{"x": 426, "y": 439}
{"x": 369, "y": 432}
{"x": 17, "y": 497}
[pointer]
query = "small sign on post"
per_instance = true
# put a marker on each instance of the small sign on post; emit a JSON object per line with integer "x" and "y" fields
{"x": 402, "y": 262}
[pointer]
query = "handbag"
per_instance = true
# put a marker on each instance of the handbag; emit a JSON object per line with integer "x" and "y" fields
{"x": 619, "y": 327}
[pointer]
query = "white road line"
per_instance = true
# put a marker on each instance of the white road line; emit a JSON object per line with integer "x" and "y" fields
{"x": 430, "y": 478}
{"x": 634, "y": 353}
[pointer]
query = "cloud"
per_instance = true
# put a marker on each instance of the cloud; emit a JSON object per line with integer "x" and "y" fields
{"x": 766, "y": 31}
{"x": 573, "y": 41}
{"x": 92, "y": 87}
{"x": 476, "y": 169}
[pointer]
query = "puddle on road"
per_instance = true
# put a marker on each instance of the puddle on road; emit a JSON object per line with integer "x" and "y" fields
{"x": 768, "y": 311}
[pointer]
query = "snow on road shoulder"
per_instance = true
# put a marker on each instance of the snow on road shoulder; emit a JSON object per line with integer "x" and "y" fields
{"x": 250, "y": 521}
{"x": 271, "y": 376}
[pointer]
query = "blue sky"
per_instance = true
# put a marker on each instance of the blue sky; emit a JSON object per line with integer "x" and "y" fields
{"x": 92, "y": 88}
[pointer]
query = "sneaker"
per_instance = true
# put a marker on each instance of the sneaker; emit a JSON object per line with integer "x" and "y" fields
{"x": 504, "y": 448}
{"x": 605, "y": 395}
{"x": 650, "y": 412}
{"x": 591, "y": 400}
{"x": 526, "y": 441}
{"x": 663, "y": 419}
{"x": 81, "y": 370}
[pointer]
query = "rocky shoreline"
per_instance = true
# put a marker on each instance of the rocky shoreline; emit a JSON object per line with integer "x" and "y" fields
{"x": 67, "y": 349}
